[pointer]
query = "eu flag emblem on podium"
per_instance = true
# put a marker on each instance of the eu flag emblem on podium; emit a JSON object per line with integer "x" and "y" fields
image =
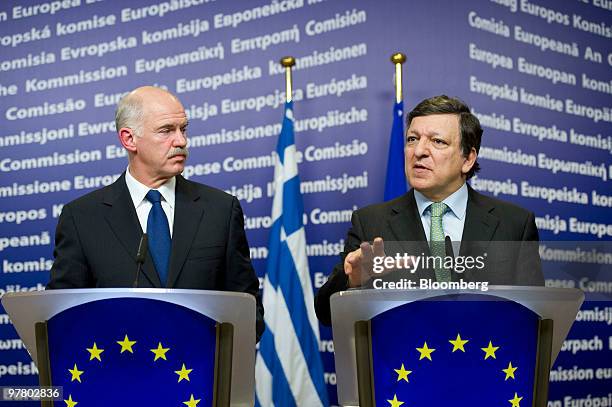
{"x": 132, "y": 352}
{"x": 477, "y": 351}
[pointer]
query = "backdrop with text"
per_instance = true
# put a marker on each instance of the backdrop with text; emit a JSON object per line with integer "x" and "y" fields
{"x": 537, "y": 73}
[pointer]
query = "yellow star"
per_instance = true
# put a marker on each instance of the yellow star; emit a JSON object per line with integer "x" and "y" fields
{"x": 402, "y": 373}
{"x": 458, "y": 343}
{"x": 160, "y": 352}
{"x": 516, "y": 401}
{"x": 76, "y": 374}
{"x": 94, "y": 353}
{"x": 490, "y": 351}
{"x": 509, "y": 371}
{"x": 70, "y": 402}
{"x": 425, "y": 352}
{"x": 395, "y": 402}
{"x": 192, "y": 402}
{"x": 183, "y": 373}
{"x": 126, "y": 344}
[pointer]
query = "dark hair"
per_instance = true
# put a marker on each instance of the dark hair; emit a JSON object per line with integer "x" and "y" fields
{"x": 469, "y": 126}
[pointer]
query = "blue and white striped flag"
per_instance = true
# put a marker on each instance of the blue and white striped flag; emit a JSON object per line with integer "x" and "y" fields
{"x": 288, "y": 370}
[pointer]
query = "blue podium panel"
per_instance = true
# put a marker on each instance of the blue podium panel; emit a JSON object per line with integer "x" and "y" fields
{"x": 133, "y": 351}
{"x": 476, "y": 351}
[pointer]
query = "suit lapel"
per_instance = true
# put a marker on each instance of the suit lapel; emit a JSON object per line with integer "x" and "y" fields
{"x": 122, "y": 218}
{"x": 405, "y": 224}
{"x": 480, "y": 224}
{"x": 405, "y": 221}
{"x": 189, "y": 208}
{"x": 479, "y": 228}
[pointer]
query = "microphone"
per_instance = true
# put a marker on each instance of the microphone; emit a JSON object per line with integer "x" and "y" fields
{"x": 448, "y": 248}
{"x": 141, "y": 255}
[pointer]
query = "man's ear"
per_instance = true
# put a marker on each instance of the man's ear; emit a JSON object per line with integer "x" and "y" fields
{"x": 470, "y": 159}
{"x": 127, "y": 139}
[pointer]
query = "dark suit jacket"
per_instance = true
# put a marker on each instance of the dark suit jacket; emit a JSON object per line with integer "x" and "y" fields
{"x": 97, "y": 238}
{"x": 514, "y": 262}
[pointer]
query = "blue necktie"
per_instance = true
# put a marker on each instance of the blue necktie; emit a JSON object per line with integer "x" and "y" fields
{"x": 158, "y": 233}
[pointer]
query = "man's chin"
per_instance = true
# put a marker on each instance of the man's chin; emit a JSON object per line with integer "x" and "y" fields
{"x": 419, "y": 183}
{"x": 176, "y": 169}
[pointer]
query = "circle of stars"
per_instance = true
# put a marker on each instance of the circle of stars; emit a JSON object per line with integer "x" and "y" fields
{"x": 127, "y": 346}
{"x": 425, "y": 352}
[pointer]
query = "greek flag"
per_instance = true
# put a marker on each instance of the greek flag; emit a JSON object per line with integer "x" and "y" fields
{"x": 288, "y": 368}
{"x": 395, "y": 182}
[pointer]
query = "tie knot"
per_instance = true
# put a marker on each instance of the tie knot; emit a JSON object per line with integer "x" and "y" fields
{"x": 438, "y": 208}
{"x": 153, "y": 196}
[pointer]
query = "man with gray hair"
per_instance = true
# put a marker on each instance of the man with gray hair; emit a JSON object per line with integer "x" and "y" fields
{"x": 195, "y": 232}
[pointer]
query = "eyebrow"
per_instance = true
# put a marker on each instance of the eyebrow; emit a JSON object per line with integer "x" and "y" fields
{"x": 423, "y": 135}
{"x": 170, "y": 126}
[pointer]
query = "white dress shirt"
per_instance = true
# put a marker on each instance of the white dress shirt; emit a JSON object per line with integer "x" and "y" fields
{"x": 138, "y": 192}
{"x": 453, "y": 220}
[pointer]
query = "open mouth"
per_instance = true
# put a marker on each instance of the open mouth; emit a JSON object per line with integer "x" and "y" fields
{"x": 420, "y": 167}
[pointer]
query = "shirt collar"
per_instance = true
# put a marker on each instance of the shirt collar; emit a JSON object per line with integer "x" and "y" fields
{"x": 457, "y": 201}
{"x": 138, "y": 190}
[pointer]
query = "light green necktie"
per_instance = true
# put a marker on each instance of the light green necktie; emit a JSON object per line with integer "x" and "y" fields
{"x": 436, "y": 240}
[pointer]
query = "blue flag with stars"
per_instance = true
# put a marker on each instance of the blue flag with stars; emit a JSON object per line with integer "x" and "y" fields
{"x": 132, "y": 352}
{"x": 395, "y": 182}
{"x": 476, "y": 350}
{"x": 288, "y": 368}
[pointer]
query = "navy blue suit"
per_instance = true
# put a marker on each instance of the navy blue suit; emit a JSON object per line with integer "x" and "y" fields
{"x": 97, "y": 238}
{"x": 513, "y": 261}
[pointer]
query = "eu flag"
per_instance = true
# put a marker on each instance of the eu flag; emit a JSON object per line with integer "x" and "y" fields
{"x": 132, "y": 352}
{"x": 395, "y": 182}
{"x": 476, "y": 350}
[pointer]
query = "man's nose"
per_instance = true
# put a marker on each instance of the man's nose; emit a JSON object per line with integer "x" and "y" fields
{"x": 422, "y": 147}
{"x": 180, "y": 138}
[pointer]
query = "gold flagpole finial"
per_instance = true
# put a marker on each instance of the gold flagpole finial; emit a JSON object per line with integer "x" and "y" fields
{"x": 398, "y": 59}
{"x": 288, "y": 62}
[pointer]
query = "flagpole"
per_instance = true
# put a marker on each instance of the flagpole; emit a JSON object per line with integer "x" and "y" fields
{"x": 288, "y": 62}
{"x": 398, "y": 59}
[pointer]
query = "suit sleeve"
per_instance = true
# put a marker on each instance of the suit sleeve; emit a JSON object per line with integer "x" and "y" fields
{"x": 338, "y": 281}
{"x": 70, "y": 268}
{"x": 529, "y": 266}
{"x": 240, "y": 274}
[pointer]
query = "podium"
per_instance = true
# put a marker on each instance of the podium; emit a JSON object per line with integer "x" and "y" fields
{"x": 117, "y": 346}
{"x": 439, "y": 347}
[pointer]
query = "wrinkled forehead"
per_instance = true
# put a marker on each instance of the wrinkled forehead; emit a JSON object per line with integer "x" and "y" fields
{"x": 435, "y": 124}
{"x": 164, "y": 109}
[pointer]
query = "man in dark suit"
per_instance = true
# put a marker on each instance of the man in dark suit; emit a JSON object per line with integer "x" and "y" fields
{"x": 441, "y": 150}
{"x": 196, "y": 232}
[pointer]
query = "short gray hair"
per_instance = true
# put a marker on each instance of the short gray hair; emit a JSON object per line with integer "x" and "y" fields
{"x": 130, "y": 113}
